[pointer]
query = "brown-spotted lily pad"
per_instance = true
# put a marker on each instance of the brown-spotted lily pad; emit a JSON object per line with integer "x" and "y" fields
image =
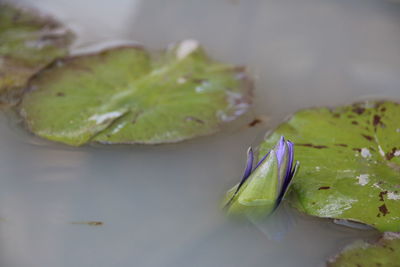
{"x": 385, "y": 253}
{"x": 350, "y": 162}
{"x": 122, "y": 95}
{"x": 28, "y": 42}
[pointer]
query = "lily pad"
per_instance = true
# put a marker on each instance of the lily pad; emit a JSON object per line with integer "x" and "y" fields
{"x": 123, "y": 95}
{"x": 28, "y": 43}
{"x": 386, "y": 252}
{"x": 350, "y": 162}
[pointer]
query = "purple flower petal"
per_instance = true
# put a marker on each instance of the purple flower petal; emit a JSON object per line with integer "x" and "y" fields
{"x": 249, "y": 164}
{"x": 291, "y": 156}
{"x": 292, "y": 174}
{"x": 261, "y": 160}
{"x": 280, "y": 150}
{"x": 246, "y": 174}
{"x": 289, "y": 173}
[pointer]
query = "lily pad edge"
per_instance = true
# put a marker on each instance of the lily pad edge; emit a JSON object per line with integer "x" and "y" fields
{"x": 12, "y": 96}
{"x": 291, "y": 194}
{"x": 247, "y": 81}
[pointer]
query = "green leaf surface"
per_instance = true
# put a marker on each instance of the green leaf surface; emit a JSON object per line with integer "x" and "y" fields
{"x": 350, "y": 162}
{"x": 123, "y": 95}
{"x": 28, "y": 42}
{"x": 386, "y": 252}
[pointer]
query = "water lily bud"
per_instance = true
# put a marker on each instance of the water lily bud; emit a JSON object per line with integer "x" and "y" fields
{"x": 263, "y": 187}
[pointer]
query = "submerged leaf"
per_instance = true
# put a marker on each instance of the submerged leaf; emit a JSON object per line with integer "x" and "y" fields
{"x": 28, "y": 42}
{"x": 122, "y": 95}
{"x": 350, "y": 159}
{"x": 386, "y": 252}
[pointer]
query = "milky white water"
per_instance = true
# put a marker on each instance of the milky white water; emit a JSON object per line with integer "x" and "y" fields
{"x": 159, "y": 205}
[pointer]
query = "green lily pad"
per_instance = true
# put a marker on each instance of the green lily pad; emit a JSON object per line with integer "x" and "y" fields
{"x": 386, "y": 252}
{"x": 350, "y": 162}
{"x": 28, "y": 42}
{"x": 123, "y": 95}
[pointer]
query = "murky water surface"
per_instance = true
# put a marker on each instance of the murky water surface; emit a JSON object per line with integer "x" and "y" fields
{"x": 159, "y": 206}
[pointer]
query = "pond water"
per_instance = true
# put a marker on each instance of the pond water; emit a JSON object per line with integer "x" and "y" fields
{"x": 159, "y": 205}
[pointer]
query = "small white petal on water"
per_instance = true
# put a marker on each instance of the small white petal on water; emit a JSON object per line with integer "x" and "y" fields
{"x": 381, "y": 151}
{"x": 365, "y": 153}
{"x": 203, "y": 87}
{"x": 118, "y": 128}
{"x": 376, "y": 185}
{"x": 336, "y": 206}
{"x": 363, "y": 179}
{"x": 393, "y": 196}
{"x": 186, "y": 48}
{"x": 103, "y": 117}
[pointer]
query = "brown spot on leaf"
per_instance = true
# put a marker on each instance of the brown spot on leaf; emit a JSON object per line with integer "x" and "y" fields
{"x": 357, "y": 149}
{"x": 368, "y": 137}
{"x": 255, "y": 122}
{"x": 383, "y": 209}
{"x": 336, "y": 115}
{"x": 358, "y": 110}
{"x": 195, "y": 119}
{"x": 324, "y": 188}
{"x": 199, "y": 81}
{"x": 343, "y": 145}
{"x": 313, "y": 146}
{"x": 60, "y": 94}
{"x": 390, "y": 155}
{"x": 382, "y": 194}
{"x": 354, "y": 123}
{"x": 376, "y": 120}
{"x": 137, "y": 115}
